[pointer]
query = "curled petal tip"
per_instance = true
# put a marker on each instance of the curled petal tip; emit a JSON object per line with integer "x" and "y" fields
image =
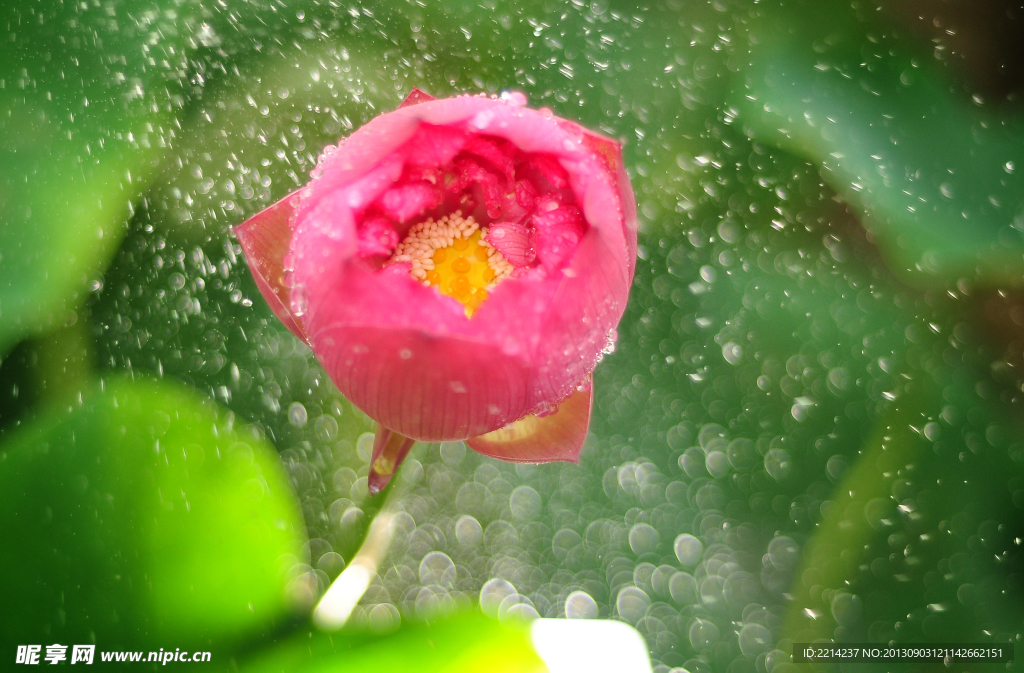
{"x": 389, "y": 450}
{"x": 265, "y": 238}
{"x": 541, "y": 439}
{"x": 416, "y": 97}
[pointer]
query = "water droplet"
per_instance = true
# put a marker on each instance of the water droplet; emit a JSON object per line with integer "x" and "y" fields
{"x": 297, "y": 414}
{"x": 364, "y": 446}
{"x": 383, "y": 618}
{"x": 703, "y": 633}
{"x": 643, "y": 538}
{"x": 733, "y": 353}
{"x": 525, "y": 503}
{"x": 754, "y": 639}
{"x": 492, "y": 594}
{"x": 452, "y": 453}
{"x": 437, "y": 568}
{"x": 579, "y": 605}
{"x": 846, "y": 609}
{"x": 683, "y": 588}
{"x": 468, "y": 531}
{"x": 688, "y": 550}
{"x": 631, "y": 604}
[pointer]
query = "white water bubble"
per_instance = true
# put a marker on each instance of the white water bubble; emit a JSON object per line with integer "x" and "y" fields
{"x": 437, "y": 569}
{"x": 564, "y": 541}
{"x": 660, "y": 579}
{"x": 733, "y": 353}
{"x": 517, "y": 607}
{"x": 778, "y": 464}
{"x": 468, "y": 531}
{"x": 703, "y": 633}
{"x": 297, "y": 414}
{"x": 642, "y": 575}
{"x": 783, "y": 552}
{"x": 344, "y": 477}
{"x": 452, "y": 453}
{"x": 472, "y": 498}
{"x": 643, "y": 538}
{"x": 331, "y": 563}
{"x": 754, "y": 639}
{"x": 729, "y": 231}
{"x": 683, "y": 588}
{"x": 492, "y": 593}
{"x": 717, "y": 464}
{"x": 846, "y": 609}
{"x": 632, "y": 603}
{"x": 500, "y": 535}
{"x": 525, "y": 503}
{"x": 325, "y": 428}
{"x": 579, "y": 605}
{"x": 688, "y": 550}
{"x": 364, "y": 446}
{"x": 383, "y": 618}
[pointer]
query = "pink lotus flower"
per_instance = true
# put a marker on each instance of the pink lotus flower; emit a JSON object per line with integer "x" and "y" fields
{"x": 458, "y": 266}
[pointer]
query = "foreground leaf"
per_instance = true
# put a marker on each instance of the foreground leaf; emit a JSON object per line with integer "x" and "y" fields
{"x": 143, "y": 517}
{"x": 466, "y": 643}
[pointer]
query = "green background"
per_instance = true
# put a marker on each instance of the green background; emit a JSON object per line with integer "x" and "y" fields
{"x": 810, "y": 426}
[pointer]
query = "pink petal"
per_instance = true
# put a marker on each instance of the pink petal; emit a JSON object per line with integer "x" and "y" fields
{"x": 377, "y": 237}
{"x": 389, "y": 450}
{"x": 518, "y": 204}
{"x": 364, "y": 191}
{"x": 557, "y": 233}
{"x": 265, "y": 238}
{"x": 590, "y": 300}
{"x": 363, "y": 151}
{"x": 397, "y": 270}
{"x": 431, "y": 174}
{"x": 433, "y": 146}
{"x": 551, "y": 170}
{"x": 526, "y": 194}
{"x": 542, "y": 439}
{"x": 554, "y": 246}
{"x": 498, "y": 153}
{"x": 426, "y": 388}
{"x": 512, "y": 241}
{"x": 416, "y": 97}
{"x": 410, "y": 200}
{"x": 467, "y": 172}
{"x": 610, "y": 152}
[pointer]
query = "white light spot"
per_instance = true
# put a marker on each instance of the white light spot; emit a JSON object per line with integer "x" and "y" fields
{"x": 589, "y": 645}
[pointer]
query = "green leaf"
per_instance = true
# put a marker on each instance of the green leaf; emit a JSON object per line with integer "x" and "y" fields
{"x": 920, "y": 532}
{"x": 258, "y": 130}
{"x": 466, "y": 643}
{"x": 141, "y": 516}
{"x": 86, "y": 119}
{"x": 938, "y": 179}
{"x": 63, "y": 211}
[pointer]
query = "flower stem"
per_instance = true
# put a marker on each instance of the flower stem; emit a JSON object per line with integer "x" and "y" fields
{"x": 336, "y": 605}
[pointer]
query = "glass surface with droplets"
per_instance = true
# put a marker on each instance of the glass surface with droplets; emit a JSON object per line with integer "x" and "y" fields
{"x": 808, "y": 425}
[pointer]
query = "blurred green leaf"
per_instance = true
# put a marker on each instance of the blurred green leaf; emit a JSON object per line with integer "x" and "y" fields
{"x": 63, "y": 208}
{"x": 921, "y": 539}
{"x": 466, "y": 643}
{"x": 256, "y": 133}
{"x": 938, "y": 178}
{"x": 142, "y": 516}
{"x": 90, "y": 94}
